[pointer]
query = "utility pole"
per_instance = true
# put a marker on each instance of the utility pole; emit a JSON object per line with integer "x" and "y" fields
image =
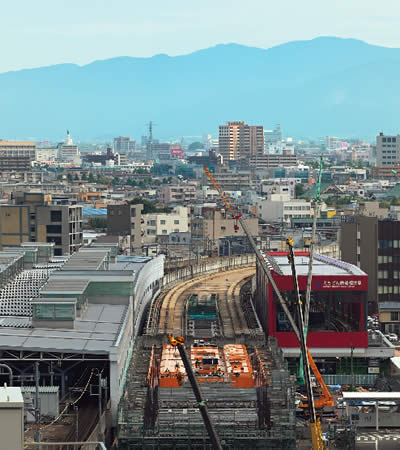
{"x": 99, "y": 394}
{"x": 37, "y": 406}
{"x": 76, "y": 424}
{"x": 351, "y": 367}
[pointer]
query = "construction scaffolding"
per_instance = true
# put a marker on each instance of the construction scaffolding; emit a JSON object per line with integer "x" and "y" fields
{"x": 158, "y": 413}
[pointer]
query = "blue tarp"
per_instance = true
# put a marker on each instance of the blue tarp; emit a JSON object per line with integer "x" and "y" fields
{"x": 94, "y": 212}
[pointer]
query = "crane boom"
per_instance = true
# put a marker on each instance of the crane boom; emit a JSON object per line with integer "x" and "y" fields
{"x": 315, "y": 424}
{"x": 258, "y": 254}
{"x": 178, "y": 342}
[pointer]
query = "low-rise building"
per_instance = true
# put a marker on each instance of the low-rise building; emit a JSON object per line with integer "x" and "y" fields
{"x": 179, "y": 193}
{"x": 163, "y": 224}
{"x": 208, "y": 224}
{"x": 124, "y": 219}
{"x": 36, "y": 219}
{"x": 280, "y": 208}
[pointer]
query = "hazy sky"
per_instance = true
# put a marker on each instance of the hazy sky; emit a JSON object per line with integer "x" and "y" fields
{"x": 44, "y": 32}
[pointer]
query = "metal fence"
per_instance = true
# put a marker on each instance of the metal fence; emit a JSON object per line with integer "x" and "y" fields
{"x": 90, "y": 445}
{"x": 358, "y": 380}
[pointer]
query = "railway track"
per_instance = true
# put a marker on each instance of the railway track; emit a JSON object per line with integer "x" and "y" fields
{"x": 226, "y": 285}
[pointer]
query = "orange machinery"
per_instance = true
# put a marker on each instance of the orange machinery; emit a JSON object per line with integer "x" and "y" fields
{"x": 172, "y": 370}
{"x": 210, "y": 365}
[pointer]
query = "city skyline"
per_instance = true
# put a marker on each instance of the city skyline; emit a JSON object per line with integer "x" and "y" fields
{"x": 43, "y": 34}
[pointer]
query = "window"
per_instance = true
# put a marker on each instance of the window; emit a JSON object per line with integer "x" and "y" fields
{"x": 55, "y": 216}
{"x": 394, "y": 315}
{"x": 133, "y": 212}
{"x": 395, "y": 289}
{"x": 164, "y": 231}
{"x": 176, "y": 222}
{"x": 396, "y": 244}
{"x": 54, "y": 311}
{"x": 119, "y": 212}
{"x": 380, "y": 289}
{"x": 53, "y": 229}
{"x": 380, "y": 274}
{"x": 396, "y": 274}
{"x": 380, "y": 259}
{"x": 111, "y": 213}
{"x": 162, "y": 222}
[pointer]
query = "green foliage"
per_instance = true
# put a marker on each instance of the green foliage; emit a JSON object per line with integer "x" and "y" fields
{"x": 84, "y": 176}
{"x": 395, "y": 201}
{"x": 384, "y": 204}
{"x": 149, "y": 207}
{"x": 97, "y": 223}
{"x": 299, "y": 190}
{"x": 91, "y": 178}
{"x": 69, "y": 178}
{"x": 196, "y": 146}
{"x": 115, "y": 181}
{"x": 338, "y": 201}
{"x": 76, "y": 177}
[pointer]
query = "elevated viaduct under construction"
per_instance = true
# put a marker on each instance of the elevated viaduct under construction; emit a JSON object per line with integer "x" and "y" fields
{"x": 245, "y": 380}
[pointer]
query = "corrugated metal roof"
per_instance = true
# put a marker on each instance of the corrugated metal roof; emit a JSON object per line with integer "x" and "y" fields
{"x": 42, "y": 389}
{"x": 71, "y": 286}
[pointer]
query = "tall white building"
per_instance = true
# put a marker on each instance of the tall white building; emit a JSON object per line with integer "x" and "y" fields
{"x": 69, "y": 152}
{"x": 387, "y": 150}
{"x": 124, "y": 145}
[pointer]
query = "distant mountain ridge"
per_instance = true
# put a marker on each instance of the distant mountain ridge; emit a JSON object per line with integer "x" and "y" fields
{"x": 323, "y": 86}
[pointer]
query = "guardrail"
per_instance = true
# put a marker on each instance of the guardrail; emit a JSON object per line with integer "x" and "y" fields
{"x": 90, "y": 445}
{"x": 192, "y": 271}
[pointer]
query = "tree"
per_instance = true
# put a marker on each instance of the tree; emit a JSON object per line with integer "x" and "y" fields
{"x": 196, "y": 146}
{"x": 59, "y": 177}
{"x": 299, "y": 190}
{"x": 115, "y": 181}
{"x": 395, "y": 201}
{"x": 97, "y": 223}
{"x": 76, "y": 177}
{"x": 149, "y": 207}
{"x": 384, "y": 204}
{"x": 69, "y": 178}
{"x": 91, "y": 178}
{"x": 84, "y": 176}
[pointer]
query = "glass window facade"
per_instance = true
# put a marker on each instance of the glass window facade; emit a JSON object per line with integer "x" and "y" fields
{"x": 54, "y": 311}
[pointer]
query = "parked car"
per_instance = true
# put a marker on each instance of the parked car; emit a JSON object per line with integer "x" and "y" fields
{"x": 392, "y": 337}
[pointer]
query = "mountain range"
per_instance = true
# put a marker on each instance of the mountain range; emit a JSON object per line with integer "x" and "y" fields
{"x": 325, "y": 86}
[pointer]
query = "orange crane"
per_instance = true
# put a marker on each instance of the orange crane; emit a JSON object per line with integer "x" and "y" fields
{"x": 325, "y": 400}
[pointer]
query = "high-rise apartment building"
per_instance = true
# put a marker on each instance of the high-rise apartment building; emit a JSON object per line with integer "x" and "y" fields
{"x": 387, "y": 150}
{"x": 237, "y": 140}
{"x": 36, "y": 219}
{"x": 124, "y": 145}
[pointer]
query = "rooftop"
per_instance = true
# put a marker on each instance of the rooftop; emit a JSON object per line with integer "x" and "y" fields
{"x": 322, "y": 265}
{"x": 95, "y": 334}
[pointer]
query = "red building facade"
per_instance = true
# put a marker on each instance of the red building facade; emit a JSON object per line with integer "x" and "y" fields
{"x": 338, "y": 308}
